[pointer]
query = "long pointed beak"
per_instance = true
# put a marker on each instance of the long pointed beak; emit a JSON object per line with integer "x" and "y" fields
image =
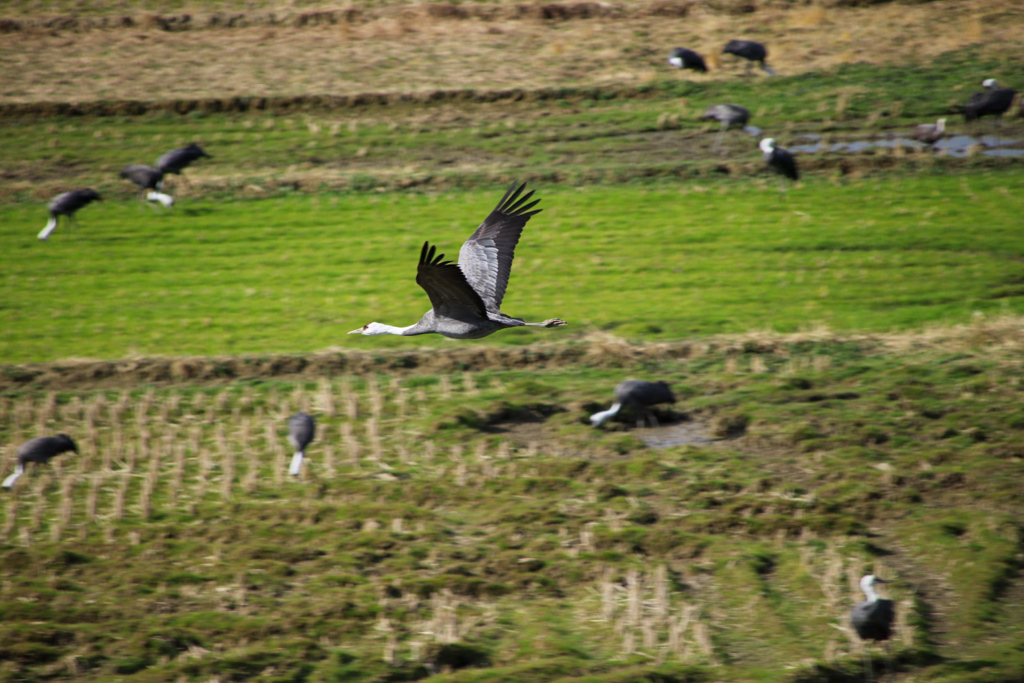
{"x": 359, "y": 331}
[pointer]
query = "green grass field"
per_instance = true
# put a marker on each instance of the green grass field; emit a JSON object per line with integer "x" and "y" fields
{"x": 664, "y": 261}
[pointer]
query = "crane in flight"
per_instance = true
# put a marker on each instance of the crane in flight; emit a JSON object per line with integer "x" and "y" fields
{"x": 465, "y": 297}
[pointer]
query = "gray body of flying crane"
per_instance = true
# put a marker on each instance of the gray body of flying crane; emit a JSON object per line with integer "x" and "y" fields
{"x": 175, "y": 161}
{"x": 638, "y": 395}
{"x": 930, "y": 133}
{"x": 779, "y": 160}
{"x": 466, "y": 297}
{"x": 751, "y": 51}
{"x": 67, "y": 204}
{"x": 728, "y": 115}
{"x": 684, "y": 58}
{"x": 873, "y": 618}
{"x": 301, "y": 430}
{"x": 993, "y": 101}
{"x": 40, "y": 450}
{"x": 149, "y": 181}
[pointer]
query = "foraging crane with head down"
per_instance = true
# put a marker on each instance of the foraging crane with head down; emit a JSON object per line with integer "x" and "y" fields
{"x": 751, "y": 51}
{"x": 728, "y": 115}
{"x": 636, "y": 394}
{"x": 175, "y": 161}
{"x": 40, "y": 450}
{"x": 684, "y": 58}
{"x": 301, "y": 429}
{"x": 466, "y": 297}
{"x": 67, "y": 204}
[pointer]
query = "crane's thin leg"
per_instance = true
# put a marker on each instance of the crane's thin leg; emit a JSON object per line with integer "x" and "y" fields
{"x": 867, "y": 664}
{"x": 721, "y": 134}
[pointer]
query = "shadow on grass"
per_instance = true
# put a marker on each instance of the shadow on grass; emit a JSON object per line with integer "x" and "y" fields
{"x": 851, "y": 671}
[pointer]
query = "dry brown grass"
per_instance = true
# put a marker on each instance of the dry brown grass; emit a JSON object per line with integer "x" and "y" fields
{"x": 410, "y": 49}
{"x": 1005, "y": 334}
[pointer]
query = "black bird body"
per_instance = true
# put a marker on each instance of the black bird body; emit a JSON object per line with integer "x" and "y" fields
{"x": 39, "y": 450}
{"x": 638, "y": 395}
{"x": 873, "y": 620}
{"x": 144, "y": 177}
{"x": 67, "y": 204}
{"x": 301, "y": 430}
{"x": 994, "y": 101}
{"x": 466, "y": 297}
{"x": 684, "y": 58}
{"x": 779, "y": 159}
{"x": 750, "y": 50}
{"x": 175, "y": 161}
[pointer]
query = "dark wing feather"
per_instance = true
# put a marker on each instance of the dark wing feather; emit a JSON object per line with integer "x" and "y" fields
{"x": 486, "y": 257}
{"x": 450, "y": 294}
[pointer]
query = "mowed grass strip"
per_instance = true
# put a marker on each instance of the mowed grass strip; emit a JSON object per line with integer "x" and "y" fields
{"x": 295, "y": 273}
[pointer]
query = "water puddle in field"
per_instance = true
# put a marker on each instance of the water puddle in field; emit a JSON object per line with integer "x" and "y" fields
{"x": 954, "y": 145}
{"x": 681, "y": 434}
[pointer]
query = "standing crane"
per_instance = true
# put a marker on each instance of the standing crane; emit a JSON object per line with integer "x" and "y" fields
{"x": 465, "y": 298}
{"x": 148, "y": 178}
{"x": 728, "y": 115}
{"x": 67, "y": 204}
{"x": 930, "y": 133}
{"x": 993, "y": 101}
{"x": 40, "y": 450}
{"x": 684, "y": 58}
{"x": 301, "y": 430}
{"x": 637, "y": 395}
{"x": 751, "y": 51}
{"x": 873, "y": 618}
{"x": 781, "y": 161}
{"x": 175, "y": 161}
